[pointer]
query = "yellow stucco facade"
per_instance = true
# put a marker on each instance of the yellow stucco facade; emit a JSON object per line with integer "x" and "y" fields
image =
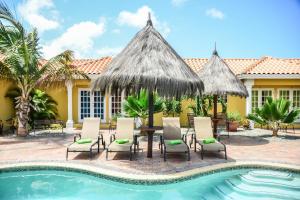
{"x": 59, "y": 93}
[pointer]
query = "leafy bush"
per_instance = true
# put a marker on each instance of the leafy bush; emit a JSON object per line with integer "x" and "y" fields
{"x": 172, "y": 107}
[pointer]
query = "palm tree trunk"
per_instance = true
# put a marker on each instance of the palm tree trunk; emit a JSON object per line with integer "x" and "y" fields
{"x": 23, "y": 108}
{"x": 275, "y": 132}
{"x": 275, "y": 129}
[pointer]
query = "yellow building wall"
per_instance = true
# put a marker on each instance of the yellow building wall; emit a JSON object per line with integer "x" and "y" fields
{"x": 236, "y": 104}
{"x": 59, "y": 93}
{"x": 6, "y": 106}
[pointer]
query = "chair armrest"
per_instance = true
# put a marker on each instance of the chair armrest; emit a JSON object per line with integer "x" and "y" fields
{"x": 100, "y": 135}
{"x": 112, "y": 137}
{"x": 77, "y": 135}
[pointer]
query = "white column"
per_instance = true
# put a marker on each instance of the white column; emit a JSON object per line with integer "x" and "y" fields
{"x": 70, "y": 121}
{"x": 249, "y": 84}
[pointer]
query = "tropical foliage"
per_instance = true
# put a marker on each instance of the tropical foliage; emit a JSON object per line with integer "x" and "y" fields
{"x": 204, "y": 104}
{"x": 234, "y": 117}
{"x": 137, "y": 105}
{"x": 43, "y": 106}
{"x": 274, "y": 112}
{"x": 172, "y": 107}
{"x": 23, "y": 65}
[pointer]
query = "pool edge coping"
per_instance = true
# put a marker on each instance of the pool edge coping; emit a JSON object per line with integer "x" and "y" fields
{"x": 148, "y": 178}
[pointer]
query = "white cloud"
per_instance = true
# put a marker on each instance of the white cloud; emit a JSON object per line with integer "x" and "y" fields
{"x": 30, "y": 10}
{"x": 109, "y": 51}
{"x": 139, "y": 18}
{"x": 215, "y": 13}
{"x": 178, "y": 3}
{"x": 78, "y": 38}
{"x": 116, "y": 31}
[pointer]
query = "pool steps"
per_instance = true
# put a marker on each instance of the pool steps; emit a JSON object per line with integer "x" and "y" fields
{"x": 258, "y": 184}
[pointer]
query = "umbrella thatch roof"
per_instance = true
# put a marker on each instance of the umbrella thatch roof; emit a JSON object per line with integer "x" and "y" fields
{"x": 149, "y": 62}
{"x": 218, "y": 79}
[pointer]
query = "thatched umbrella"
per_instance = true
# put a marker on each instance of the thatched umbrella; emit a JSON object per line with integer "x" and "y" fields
{"x": 220, "y": 80}
{"x": 149, "y": 62}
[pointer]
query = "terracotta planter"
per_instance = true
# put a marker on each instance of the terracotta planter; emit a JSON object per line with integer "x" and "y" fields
{"x": 232, "y": 126}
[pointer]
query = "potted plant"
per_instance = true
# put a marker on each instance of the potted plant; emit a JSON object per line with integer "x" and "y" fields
{"x": 234, "y": 119}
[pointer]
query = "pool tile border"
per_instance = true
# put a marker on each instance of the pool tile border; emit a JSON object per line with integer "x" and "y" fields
{"x": 145, "y": 179}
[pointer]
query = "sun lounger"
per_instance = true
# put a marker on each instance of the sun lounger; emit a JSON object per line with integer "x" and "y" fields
{"x": 203, "y": 132}
{"x": 172, "y": 138}
{"x": 124, "y": 131}
{"x": 90, "y": 133}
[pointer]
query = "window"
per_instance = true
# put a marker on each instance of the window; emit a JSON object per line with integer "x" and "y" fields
{"x": 91, "y": 104}
{"x": 264, "y": 95}
{"x": 254, "y": 100}
{"x": 85, "y": 104}
{"x": 259, "y": 97}
{"x": 98, "y": 105}
{"x": 285, "y": 94}
{"x": 116, "y": 103}
{"x": 296, "y": 99}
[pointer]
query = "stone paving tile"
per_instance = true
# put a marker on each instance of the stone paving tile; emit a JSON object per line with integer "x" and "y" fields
{"x": 252, "y": 145}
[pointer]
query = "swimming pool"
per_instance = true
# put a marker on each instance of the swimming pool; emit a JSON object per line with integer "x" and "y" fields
{"x": 230, "y": 184}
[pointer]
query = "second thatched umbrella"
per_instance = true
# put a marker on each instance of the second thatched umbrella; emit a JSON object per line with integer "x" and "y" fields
{"x": 219, "y": 80}
{"x": 149, "y": 62}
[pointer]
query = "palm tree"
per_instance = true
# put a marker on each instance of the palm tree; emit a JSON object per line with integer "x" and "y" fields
{"x": 23, "y": 64}
{"x": 275, "y": 112}
{"x": 43, "y": 106}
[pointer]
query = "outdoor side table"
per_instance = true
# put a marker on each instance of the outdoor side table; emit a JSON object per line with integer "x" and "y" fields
{"x": 150, "y": 132}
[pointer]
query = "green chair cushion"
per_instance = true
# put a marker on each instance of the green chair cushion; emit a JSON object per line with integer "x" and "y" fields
{"x": 84, "y": 141}
{"x": 122, "y": 141}
{"x": 174, "y": 142}
{"x": 209, "y": 140}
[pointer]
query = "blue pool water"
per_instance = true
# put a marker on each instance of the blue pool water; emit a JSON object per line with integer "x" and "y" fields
{"x": 234, "y": 184}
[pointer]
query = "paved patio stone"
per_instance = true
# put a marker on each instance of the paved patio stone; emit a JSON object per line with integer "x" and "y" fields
{"x": 250, "y": 145}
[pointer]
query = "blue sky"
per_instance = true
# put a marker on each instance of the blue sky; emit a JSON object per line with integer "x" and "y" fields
{"x": 94, "y": 28}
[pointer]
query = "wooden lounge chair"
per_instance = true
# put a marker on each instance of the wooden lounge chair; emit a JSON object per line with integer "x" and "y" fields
{"x": 203, "y": 130}
{"x": 172, "y": 131}
{"x": 90, "y": 130}
{"x": 124, "y": 130}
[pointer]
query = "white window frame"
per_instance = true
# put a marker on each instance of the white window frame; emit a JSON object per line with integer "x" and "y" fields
{"x": 291, "y": 95}
{"x": 91, "y": 105}
{"x": 260, "y": 94}
{"x": 110, "y": 102}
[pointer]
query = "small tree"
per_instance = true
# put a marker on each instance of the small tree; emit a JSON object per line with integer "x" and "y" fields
{"x": 273, "y": 113}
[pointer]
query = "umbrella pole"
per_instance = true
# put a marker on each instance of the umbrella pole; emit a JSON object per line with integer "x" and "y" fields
{"x": 150, "y": 124}
{"x": 215, "y": 121}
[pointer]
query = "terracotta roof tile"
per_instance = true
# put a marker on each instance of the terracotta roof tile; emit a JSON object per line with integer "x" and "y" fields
{"x": 269, "y": 65}
{"x": 237, "y": 65}
{"x": 264, "y": 65}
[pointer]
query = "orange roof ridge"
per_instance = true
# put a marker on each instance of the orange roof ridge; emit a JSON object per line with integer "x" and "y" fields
{"x": 251, "y": 67}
